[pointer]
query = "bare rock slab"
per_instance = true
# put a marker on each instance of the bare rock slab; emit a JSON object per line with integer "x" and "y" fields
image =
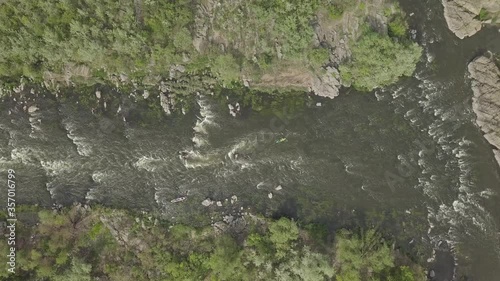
{"x": 485, "y": 75}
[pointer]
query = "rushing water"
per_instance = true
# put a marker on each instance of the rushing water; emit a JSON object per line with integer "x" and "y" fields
{"x": 411, "y": 150}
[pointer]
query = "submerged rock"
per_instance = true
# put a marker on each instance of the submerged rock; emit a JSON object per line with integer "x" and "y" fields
{"x": 32, "y": 109}
{"x": 234, "y": 110}
{"x": 485, "y": 76}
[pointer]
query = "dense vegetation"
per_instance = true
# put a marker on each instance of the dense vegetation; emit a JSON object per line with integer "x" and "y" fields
{"x": 270, "y": 36}
{"x": 380, "y": 59}
{"x": 88, "y": 41}
{"x": 82, "y": 244}
{"x": 56, "y": 36}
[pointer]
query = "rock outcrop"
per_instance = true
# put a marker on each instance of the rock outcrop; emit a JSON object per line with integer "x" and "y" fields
{"x": 219, "y": 25}
{"x": 485, "y": 75}
{"x": 327, "y": 85}
{"x": 463, "y": 16}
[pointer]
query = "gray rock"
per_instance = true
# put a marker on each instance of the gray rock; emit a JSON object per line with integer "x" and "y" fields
{"x": 207, "y": 202}
{"x": 231, "y": 110}
{"x": 462, "y": 16}
{"x": 328, "y": 84}
{"x": 165, "y": 104}
{"x": 485, "y": 75}
{"x": 32, "y": 109}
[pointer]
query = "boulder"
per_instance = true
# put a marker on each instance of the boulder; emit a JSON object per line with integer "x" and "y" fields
{"x": 328, "y": 84}
{"x": 462, "y": 16}
{"x": 207, "y": 202}
{"x": 32, "y": 109}
{"x": 485, "y": 75}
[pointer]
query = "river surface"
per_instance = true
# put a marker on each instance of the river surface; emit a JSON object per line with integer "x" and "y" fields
{"x": 407, "y": 158}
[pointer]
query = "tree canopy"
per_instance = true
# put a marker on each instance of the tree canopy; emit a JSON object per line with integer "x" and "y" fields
{"x": 379, "y": 60}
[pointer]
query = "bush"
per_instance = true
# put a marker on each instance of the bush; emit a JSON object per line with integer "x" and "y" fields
{"x": 318, "y": 57}
{"x": 361, "y": 256}
{"x": 398, "y": 27}
{"x": 227, "y": 69}
{"x": 182, "y": 40}
{"x": 483, "y": 15}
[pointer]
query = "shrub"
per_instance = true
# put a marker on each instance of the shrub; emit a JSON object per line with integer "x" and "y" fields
{"x": 318, "y": 57}
{"x": 483, "y": 14}
{"x": 398, "y": 27}
{"x": 361, "y": 256}
{"x": 227, "y": 68}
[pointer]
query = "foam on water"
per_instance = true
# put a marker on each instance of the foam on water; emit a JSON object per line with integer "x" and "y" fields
{"x": 56, "y": 167}
{"x": 149, "y": 164}
{"x": 83, "y": 146}
{"x": 449, "y": 220}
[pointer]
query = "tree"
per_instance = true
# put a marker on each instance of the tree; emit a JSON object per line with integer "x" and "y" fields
{"x": 225, "y": 261}
{"x": 402, "y": 273}
{"x": 182, "y": 40}
{"x": 311, "y": 266}
{"x": 378, "y": 61}
{"x": 282, "y": 233}
{"x": 79, "y": 271}
{"x": 361, "y": 256}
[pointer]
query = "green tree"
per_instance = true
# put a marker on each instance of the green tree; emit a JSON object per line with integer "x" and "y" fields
{"x": 227, "y": 69}
{"x": 182, "y": 40}
{"x": 79, "y": 271}
{"x": 306, "y": 266}
{"x": 282, "y": 233}
{"x": 398, "y": 27}
{"x": 318, "y": 57}
{"x": 360, "y": 257}
{"x": 378, "y": 61}
{"x": 225, "y": 261}
{"x": 402, "y": 273}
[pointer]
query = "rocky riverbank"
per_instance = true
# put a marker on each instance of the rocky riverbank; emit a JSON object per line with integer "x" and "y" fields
{"x": 466, "y": 17}
{"x": 485, "y": 75}
{"x": 83, "y": 243}
{"x": 269, "y": 47}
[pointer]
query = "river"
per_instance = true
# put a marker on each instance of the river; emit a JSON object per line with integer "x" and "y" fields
{"x": 408, "y": 159}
